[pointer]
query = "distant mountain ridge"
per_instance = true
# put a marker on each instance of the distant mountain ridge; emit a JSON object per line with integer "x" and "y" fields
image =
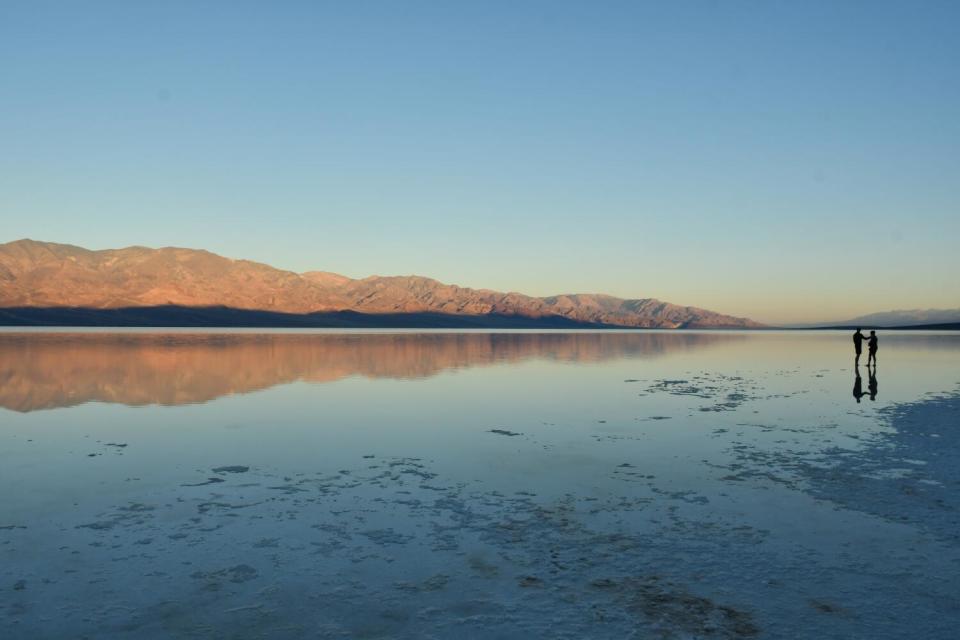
{"x": 44, "y": 275}
{"x": 908, "y": 317}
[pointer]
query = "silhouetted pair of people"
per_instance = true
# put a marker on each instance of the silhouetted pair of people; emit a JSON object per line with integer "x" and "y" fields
{"x": 872, "y": 341}
{"x": 872, "y": 386}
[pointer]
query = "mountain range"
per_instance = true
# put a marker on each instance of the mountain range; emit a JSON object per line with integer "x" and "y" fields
{"x": 907, "y": 317}
{"x": 50, "y": 283}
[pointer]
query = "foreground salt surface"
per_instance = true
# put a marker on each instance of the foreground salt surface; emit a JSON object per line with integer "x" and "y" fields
{"x": 721, "y": 504}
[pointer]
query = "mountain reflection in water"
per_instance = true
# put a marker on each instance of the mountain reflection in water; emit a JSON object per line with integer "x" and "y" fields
{"x": 50, "y": 370}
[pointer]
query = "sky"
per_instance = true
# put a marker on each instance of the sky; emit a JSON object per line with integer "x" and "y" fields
{"x": 784, "y": 161}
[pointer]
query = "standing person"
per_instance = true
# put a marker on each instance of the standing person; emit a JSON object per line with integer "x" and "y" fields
{"x": 872, "y": 345}
{"x": 858, "y": 339}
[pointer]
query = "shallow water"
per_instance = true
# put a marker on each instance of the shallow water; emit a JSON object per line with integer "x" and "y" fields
{"x": 488, "y": 485}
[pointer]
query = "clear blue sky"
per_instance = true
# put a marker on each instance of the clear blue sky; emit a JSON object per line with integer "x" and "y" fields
{"x": 788, "y": 161}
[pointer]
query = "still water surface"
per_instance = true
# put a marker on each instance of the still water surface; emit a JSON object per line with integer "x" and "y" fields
{"x": 489, "y": 485}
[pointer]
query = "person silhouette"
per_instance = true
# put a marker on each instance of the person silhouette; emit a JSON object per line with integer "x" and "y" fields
{"x": 872, "y": 345}
{"x": 858, "y": 339}
{"x": 857, "y": 385}
{"x": 872, "y": 385}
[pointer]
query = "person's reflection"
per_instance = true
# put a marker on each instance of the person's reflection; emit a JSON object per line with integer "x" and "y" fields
{"x": 857, "y": 385}
{"x": 872, "y": 382}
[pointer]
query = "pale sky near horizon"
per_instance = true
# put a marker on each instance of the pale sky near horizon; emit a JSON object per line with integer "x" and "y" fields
{"x": 789, "y": 162}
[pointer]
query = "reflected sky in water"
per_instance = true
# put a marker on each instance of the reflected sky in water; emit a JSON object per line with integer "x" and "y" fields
{"x": 158, "y": 484}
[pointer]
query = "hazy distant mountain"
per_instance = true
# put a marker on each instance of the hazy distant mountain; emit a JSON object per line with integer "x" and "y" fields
{"x": 43, "y": 274}
{"x": 907, "y": 317}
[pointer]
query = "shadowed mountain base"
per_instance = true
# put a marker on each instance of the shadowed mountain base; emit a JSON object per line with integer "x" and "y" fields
{"x": 178, "y": 316}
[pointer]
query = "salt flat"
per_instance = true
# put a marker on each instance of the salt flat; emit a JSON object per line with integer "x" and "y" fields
{"x": 487, "y": 485}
